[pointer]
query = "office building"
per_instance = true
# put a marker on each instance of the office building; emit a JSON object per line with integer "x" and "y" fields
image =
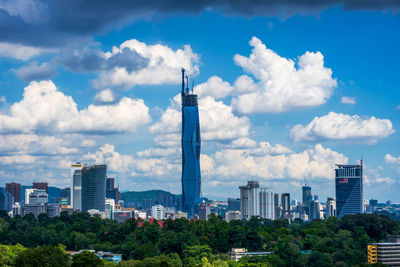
{"x": 285, "y": 201}
{"x": 157, "y": 212}
{"x": 42, "y": 186}
{"x": 190, "y": 142}
{"x": 180, "y": 215}
{"x": 16, "y": 209}
{"x": 38, "y": 196}
{"x": 14, "y": 189}
{"x": 110, "y": 207}
{"x": 28, "y": 191}
{"x": 111, "y": 191}
{"x": 277, "y": 210}
{"x": 316, "y": 211}
{"x": 307, "y": 197}
{"x": 249, "y": 200}
{"x": 387, "y": 253}
{"x": 93, "y": 187}
{"x": 76, "y": 175}
{"x": 266, "y": 200}
{"x": 232, "y": 215}
{"x": 121, "y": 215}
{"x": 233, "y": 203}
{"x": 204, "y": 211}
{"x": 53, "y": 210}
{"x": 35, "y": 209}
{"x": 66, "y": 194}
{"x": 349, "y": 189}
{"x": 330, "y": 207}
{"x": 5, "y": 200}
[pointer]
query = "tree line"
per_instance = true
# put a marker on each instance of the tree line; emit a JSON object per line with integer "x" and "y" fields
{"x": 181, "y": 242}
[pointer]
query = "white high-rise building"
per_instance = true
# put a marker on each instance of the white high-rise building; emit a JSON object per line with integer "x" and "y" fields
{"x": 28, "y": 191}
{"x": 110, "y": 208}
{"x": 76, "y": 175}
{"x": 330, "y": 207}
{"x": 266, "y": 201}
{"x": 249, "y": 200}
{"x": 157, "y": 212}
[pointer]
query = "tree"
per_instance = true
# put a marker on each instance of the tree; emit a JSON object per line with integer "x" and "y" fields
{"x": 8, "y": 254}
{"x": 45, "y": 256}
{"x": 87, "y": 259}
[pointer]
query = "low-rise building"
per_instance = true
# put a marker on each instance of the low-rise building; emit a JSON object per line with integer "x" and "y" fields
{"x": 232, "y": 215}
{"x": 387, "y": 253}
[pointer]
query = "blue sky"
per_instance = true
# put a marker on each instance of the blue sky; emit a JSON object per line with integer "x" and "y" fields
{"x": 286, "y": 91}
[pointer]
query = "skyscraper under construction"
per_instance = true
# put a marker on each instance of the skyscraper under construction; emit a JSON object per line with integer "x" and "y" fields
{"x": 190, "y": 141}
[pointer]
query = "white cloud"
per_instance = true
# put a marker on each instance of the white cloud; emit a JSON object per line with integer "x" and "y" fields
{"x": 217, "y": 121}
{"x": 163, "y": 66}
{"x": 393, "y": 161}
{"x": 281, "y": 86}
{"x": 44, "y": 107}
{"x": 21, "y": 52}
{"x": 35, "y": 71}
{"x": 3, "y": 99}
{"x": 348, "y": 100}
{"x": 317, "y": 162}
{"x": 338, "y": 126}
{"x": 398, "y": 107}
{"x": 214, "y": 87}
{"x": 105, "y": 96}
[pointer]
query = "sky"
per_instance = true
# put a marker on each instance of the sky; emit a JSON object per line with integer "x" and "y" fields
{"x": 286, "y": 90}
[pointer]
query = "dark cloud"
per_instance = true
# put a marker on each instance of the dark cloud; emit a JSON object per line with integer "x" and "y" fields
{"x": 35, "y": 71}
{"x": 94, "y": 60}
{"x": 50, "y": 23}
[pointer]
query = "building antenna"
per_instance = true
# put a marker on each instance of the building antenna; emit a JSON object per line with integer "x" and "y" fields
{"x": 183, "y": 81}
{"x": 305, "y": 183}
{"x": 192, "y": 85}
{"x": 187, "y": 84}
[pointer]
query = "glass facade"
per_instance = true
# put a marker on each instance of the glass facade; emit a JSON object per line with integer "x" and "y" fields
{"x": 94, "y": 187}
{"x": 349, "y": 189}
{"x": 76, "y": 172}
{"x": 191, "y": 179}
{"x": 307, "y": 197}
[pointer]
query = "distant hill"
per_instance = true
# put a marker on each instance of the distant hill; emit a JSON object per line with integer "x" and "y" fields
{"x": 146, "y": 199}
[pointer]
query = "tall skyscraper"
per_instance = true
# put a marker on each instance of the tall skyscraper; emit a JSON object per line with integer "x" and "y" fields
{"x": 14, "y": 189}
{"x": 349, "y": 189}
{"x": 266, "y": 203}
{"x": 277, "y": 209}
{"x": 111, "y": 191}
{"x": 330, "y": 207}
{"x": 66, "y": 193}
{"x": 307, "y": 197}
{"x": 5, "y": 200}
{"x": 285, "y": 200}
{"x": 76, "y": 173}
{"x": 249, "y": 200}
{"x": 190, "y": 141}
{"x": 94, "y": 187}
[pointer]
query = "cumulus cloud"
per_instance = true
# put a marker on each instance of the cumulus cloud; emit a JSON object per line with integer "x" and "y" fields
{"x": 19, "y": 51}
{"x": 393, "y": 161}
{"x": 348, "y": 100}
{"x": 163, "y": 65}
{"x": 338, "y": 126}
{"x": 217, "y": 121}
{"x": 35, "y": 71}
{"x": 45, "y": 108}
{"x": 105, "y": 96}
{"x": 281, "y": 86}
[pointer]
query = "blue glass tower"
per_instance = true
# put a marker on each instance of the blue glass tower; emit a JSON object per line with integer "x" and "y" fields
{"x": 190, "y": 141}
{"x": 349, "y": 189}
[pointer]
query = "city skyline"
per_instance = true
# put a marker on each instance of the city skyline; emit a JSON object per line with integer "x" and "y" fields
{"x": 285, "y": 93}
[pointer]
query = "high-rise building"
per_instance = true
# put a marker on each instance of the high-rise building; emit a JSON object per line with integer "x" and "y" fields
{"x": 66, "y": 194}
{"x": 233, "y": 203}
{"x": 111, "y": 191}
{"x": 110, "y": 208}
{"x": 285, "y": 201}
{"x": 249, "y": 200}
{"x": 38, "y": 196}
{"x": 190, "y": 141}
{"x": 349, "y": 189}
{"x": 157, "y": 212}
{"x": 387, "y": 253}
{"x": 204, "y": 211}
{"x": 76, "y": 175}
{"x": 277, "y": 210}
{"x": 14, "y": 189}
{"x": 307, "y": 197}
{"x": 330, "y": 207}
{"x": 28, "y": 191}
{"x": 5, "y": 200}
{"x": 266, "y": 203}
{"x": 42, "y": 186}
{"x": 93, "y": 187}
{"x": 315, "y": 210}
